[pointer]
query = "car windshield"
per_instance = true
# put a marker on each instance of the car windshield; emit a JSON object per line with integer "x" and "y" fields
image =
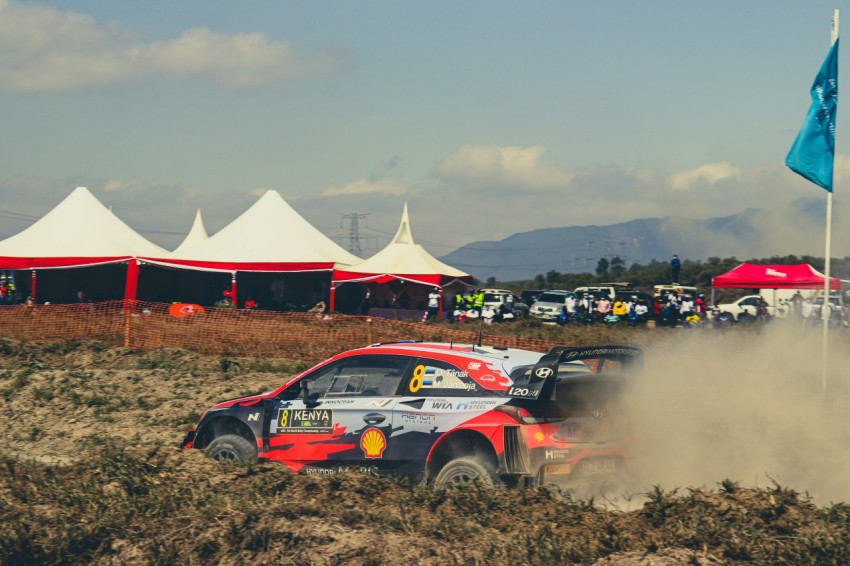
{"x": 551, "y": 298}
{"x": 492, "y": 298}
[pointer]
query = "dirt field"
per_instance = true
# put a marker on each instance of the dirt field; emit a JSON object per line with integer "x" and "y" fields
{"x": 92, "y": 473}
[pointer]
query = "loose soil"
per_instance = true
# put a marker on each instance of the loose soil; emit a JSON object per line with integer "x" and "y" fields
{"x": 91, "y": 472}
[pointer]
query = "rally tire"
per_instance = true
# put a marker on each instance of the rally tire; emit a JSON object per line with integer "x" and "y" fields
{"x": 232, "y": 448}
{"x": 464, "y": 471}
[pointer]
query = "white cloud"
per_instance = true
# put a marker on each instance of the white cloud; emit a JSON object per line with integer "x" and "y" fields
{"x": 708, "y": 174}
{"x": 46, "y": 50}
{"x": 504, "y": 165}
{"x": 363, "y": 187}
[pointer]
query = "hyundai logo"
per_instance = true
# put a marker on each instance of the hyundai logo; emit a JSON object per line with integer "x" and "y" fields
{"x": 543, "y": 373}
{"x": 598, "y": 414}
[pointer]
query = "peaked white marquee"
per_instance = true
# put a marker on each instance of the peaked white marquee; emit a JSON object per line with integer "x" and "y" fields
{"x": 78, "y": 231}
{"x": 196, "y": 235}
{"x": 269, "y": 236}
{"x": 402, "y": 258}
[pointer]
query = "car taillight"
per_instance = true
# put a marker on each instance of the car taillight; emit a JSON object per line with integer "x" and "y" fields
{"x": 523, "y": 415}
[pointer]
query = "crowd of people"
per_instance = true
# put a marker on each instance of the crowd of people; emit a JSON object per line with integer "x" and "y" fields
{"x": 667, "y": 309}
{"x": 8, "y": 290}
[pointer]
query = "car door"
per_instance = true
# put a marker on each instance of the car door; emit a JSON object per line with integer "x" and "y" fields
{"x": 344, "y": 418}
{"x": 438, "y": 397}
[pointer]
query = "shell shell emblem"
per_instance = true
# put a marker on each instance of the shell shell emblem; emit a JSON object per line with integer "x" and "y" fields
{"x": 373, "y": 443}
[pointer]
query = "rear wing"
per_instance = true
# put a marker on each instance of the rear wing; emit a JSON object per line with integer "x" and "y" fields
{"x": 541, "y": 379}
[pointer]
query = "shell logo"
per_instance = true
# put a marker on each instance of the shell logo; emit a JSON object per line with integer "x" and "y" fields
{"x": 373, "y": 443}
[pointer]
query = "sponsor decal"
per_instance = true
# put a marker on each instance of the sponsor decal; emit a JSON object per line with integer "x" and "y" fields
{"x": 373, "y": 442}
{"x": 539, "y": 436}
{"x": 442, "y": 405}
{"x": 543, "y": 373}
{"x": 253, "y": 417}
{"x": 305, "y": 421}
{"x": 416, "y": 381}
{"x": 379, "y": 402}
{"x": 418, "y": 418}
{"x": 369, "y": 470}
{"x": 463, "y": 406}
{"x": 339, "y": 401}
{"x": 558, "y": 469}
{"x": 477, "y": 405}
{"x": 598, "y": 414}
{"x": 474, "y": 365}
{"x": 525, "y": 392}
{"x": 487, "y": 378}
{"x": 596, "y": 352}
{"x": 556, "y": 454}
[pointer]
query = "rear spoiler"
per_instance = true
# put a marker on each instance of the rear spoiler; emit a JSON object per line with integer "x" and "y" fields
{"x": 541, "y": 379}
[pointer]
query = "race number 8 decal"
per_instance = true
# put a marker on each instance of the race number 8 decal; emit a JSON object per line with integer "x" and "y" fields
{"x": 416, "y": 382}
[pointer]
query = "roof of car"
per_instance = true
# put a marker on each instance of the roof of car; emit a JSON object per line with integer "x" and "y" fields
{"x": 508, "y": 358}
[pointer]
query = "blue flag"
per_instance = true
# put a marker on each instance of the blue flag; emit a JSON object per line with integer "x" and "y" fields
{"x": 813, "y": 152}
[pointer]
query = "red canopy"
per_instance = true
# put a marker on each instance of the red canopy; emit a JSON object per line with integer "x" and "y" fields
{"x": 752, "y": 276}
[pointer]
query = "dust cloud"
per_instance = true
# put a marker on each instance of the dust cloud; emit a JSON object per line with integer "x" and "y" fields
{"x": 746, "y": 406}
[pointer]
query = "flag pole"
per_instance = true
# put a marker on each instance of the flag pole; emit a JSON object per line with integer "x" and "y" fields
{"x": 827, "y": 306}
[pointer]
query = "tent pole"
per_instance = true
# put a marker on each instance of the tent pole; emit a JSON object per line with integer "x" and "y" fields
{"x": 332, "y": 299}
{"x": 233, "y": 289}
{"x": 32, "y": 286}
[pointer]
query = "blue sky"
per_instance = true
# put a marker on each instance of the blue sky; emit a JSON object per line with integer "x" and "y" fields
{"x": 487, "y": 117}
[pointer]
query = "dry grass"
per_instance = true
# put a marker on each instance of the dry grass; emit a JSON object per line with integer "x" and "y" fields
{"x": 92, "y": 474}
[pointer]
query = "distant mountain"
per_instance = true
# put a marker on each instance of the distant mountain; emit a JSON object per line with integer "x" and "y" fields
{"x": 797, "y": 228}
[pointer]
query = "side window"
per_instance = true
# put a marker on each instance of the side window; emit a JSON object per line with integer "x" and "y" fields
{"x": 375, "y": 376}
{"x": 435, "y": 378}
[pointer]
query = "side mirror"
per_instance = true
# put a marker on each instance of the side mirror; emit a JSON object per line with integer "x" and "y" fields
{"x": 305, "y": 391}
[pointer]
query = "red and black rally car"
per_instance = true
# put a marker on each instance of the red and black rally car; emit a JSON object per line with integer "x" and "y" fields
{"x": 439, "y": 412}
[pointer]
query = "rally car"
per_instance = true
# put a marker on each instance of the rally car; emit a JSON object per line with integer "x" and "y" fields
{"x": 440, "y": 413}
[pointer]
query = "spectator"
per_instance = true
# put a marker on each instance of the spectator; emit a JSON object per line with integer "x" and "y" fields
{"x": 434, "y": 302}
{"x": 699, "y": 305}
{"x": 675, "y": 265}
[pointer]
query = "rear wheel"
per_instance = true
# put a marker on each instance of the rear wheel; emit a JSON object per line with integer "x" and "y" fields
{"x": 465, "y": 470}
{"x": 232, "y": 448}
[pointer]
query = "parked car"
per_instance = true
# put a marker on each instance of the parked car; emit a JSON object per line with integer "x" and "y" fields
{"x": 746, "y": 307}
{"x": 664, "y": 290}
{"x": 634, "y": 295}
{"x": 505, "y": 300}
{"x": 596, "y": 291}
{"x": 440, "y": 413}
{"x": 550, "y": 304}
{"x": 530, "y": 295}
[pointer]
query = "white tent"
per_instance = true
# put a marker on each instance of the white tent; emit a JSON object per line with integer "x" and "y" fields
{"x": 78, "y": 232}
{"x": 401, "y": 260}
{"x": 196, "y": 235}
{"x": 269, "y": 237}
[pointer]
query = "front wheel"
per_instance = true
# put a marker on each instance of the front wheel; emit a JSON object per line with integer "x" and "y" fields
{"x": 465, "y": 470}
{"x": 232, "y": 448}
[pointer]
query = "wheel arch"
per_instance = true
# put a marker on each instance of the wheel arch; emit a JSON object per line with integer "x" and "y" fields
{"x": 457, "y": 444}
{"x": 219, "y": 426}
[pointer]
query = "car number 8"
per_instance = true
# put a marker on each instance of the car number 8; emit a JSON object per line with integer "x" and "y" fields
{"x": 416, "y": 382}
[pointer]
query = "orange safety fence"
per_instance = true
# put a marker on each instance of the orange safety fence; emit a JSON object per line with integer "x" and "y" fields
{"x": 226, "y": 331}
